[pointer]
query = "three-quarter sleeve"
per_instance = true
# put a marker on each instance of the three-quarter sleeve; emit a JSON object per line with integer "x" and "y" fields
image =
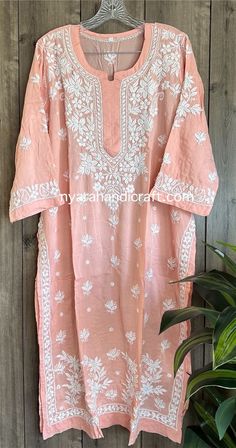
{"x": 188, "y": 177}
{"x": 36, "y": 182}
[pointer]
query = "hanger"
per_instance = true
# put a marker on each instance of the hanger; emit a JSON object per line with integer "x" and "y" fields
{"x": 112, "y": 10}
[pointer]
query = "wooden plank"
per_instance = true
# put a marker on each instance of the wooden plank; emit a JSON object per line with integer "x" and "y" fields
{"x": 35, "y": 19}
{"x": 194, "y": 19}
{"x": 222, "y": 106}
{"x": 11, "y": 355}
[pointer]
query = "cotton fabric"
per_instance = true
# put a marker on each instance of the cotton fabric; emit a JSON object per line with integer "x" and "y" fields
{"x": 114, "y": 126}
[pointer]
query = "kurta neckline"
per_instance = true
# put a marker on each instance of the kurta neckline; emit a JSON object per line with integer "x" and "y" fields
{"x": 75, "y": 42}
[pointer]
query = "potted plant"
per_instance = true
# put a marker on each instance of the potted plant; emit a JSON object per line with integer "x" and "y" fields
{"x": 216, "y": 411}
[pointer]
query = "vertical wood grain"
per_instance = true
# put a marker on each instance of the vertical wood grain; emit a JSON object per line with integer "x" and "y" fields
{"x": 221, "y": 223}
{"x": 11, "y": 354}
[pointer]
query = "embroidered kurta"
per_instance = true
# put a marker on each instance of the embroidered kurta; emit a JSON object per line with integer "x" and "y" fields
{"x": 114, "y": 153}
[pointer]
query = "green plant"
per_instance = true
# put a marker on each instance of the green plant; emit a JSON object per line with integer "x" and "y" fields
{"x": 216, "y": 412}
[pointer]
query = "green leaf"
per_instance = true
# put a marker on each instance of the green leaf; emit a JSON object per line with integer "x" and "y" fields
{"x": 224, "y": 337}
{"x": 216, "y": 299}
{"x": 224, "y": 415}
{"x": 225, "y": 258}
{"x": 225, "y": 378}
{"x": 194, "y": 437}
{"x": 215, "y": 394}
{"x": 208, "y": 425}
{"x": 173, "y": 317}
{"x": 198, "y": 337}
{"x": 231, "y": 246}
{"x": 213, "y": 280}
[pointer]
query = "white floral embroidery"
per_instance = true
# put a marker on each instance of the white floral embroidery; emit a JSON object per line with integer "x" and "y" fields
{"x": 167, "y": 159}
{"x": 155, "y": 229}
{"x": 111, "y": 306}
{"x": 135, "y": 290}
{"x": 57, "y": 255}
{"x": 130, "y": 336}
{"x": 114, "y": 221}
{"x": 123, "y": 168}
{"x": 69, "y": 367}
{"x": 115, "y": 261}
{"x": 32, "y": 193}
{"x": 25, "y": 143}
{"x": 59, "y": 297}
{"x": 160, "y": 404}
{"x": 212, "y": 176}
{"x": 86, "y": 240}
{"x": 145, "y": 318}
{"x": 169, "y": 304}
{"x": 113, "y": 354}
{"x": 111, "y": 394}
{"x": 60, "y": 337}
{"x": 175, "y": 216}
{"x": 189, "y": 192}
{"x": 62, "y": 134}
{"x": 66, "y": 175}
{"x": 138, "y": 243}
{"x": 84, "y": 334}
{"x": 175, "y": 89}
{"x": 110, "y": 57}
{"x": 187, "y": 104}
{"x": 35, "y": 78}
{"x": 200, "y": 136}
{"x": 97, "y": 381}
{"x": 87, "y": 287}
{"x": 165, "y": 344}
{"x": 53, "y": 211}
{"x": 149, "y": 274}
{"x": 162, "y": 139}
{"x": 171, "y": 263}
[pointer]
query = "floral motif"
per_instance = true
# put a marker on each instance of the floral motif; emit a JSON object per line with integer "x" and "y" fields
{"x": 171, "y": 263}
{"x": 138, "y": 243}
{"x": 25, "y": 143}
{"x": 59, "y": 297}
{"x": 155, "y": 229}
{"x": 135, "y": 290}
{"x": 70, "y": 368}
{"x": 188, "y": 192}
{"x": 200, "y": 136}
{"x": 57, "y": 255}
{"x": 175, "y": 216}
{"x": 86, "y": 240}
{"x": 115, "y": 261}
{"x": 187, "y": 104}
{"x": 165, "y": 344}
{"x": 169, "y": 304}
{"x": 60, "y": 337}
{"x": 149, "y": 274}
{"x": 167, "y": 159}
{"x": 130, "y": 336}
{"x": 97, "y": 380}
{"x": 84, "y": 334}
{"x": 87, "y": 287}
{"x": 31, "y": 193}
{"x": 111, "y": 306}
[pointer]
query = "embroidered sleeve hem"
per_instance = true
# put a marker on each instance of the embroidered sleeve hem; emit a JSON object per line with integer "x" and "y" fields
{"x": 183, "y": 195}
{"x": 33, "y": 199}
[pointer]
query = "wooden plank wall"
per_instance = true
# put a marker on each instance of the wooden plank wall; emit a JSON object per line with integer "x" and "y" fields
{"x": 211, "y": 26}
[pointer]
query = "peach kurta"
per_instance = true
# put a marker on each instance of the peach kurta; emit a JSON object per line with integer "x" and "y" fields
{"x": 114, "y": 152}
